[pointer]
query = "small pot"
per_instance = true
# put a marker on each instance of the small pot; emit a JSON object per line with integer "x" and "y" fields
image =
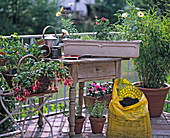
{"x": 79, "y": 121}
{"x": 97, "y": 124}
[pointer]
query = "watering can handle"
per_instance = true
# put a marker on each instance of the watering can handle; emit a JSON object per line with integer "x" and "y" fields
{"x": 46, "y": 29}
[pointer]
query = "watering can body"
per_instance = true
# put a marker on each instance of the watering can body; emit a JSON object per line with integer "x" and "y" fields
{"x": 50, "y": 43}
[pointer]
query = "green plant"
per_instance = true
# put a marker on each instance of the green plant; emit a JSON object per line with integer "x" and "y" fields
{"x": 13, "y": 50}
{"x": 97, "y": 90}
{"x": 153, "y": 29}
{"x": 102, "y": 29}
{"x": 98, "y": 110}
{"x": 28, "y": 81}
{"x": 67, "y": 22}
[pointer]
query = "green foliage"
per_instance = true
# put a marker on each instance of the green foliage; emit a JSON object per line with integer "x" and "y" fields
{"x": 102, "y": 27}
{"x": 28, "y": 79}
{"x": 98, "y": 110}
{"x": 14, "y": 50}
{"x": 26, "y": 17}
{"x": 106, "y": 8}
{"x": 67, "y": 23}
{"x": 153, "y": 29}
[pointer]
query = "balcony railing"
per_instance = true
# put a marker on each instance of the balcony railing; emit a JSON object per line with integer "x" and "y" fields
{"x": 127, "y": 71}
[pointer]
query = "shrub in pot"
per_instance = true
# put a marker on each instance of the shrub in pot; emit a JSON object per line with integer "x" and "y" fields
{"x": 97, "y": 118}
{"x": 152, "y": 65}
{"x": 79, "y": 119}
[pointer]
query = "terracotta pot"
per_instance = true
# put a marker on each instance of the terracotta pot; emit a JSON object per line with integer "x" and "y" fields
{"x": 79, "y": 124}
{"x": 91, "y": 100}
{"x": 156, "y": 98}
{"x": 97, "y": 124}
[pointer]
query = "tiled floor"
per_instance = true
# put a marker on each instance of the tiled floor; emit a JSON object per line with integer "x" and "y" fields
{"x": 160, "y": 128}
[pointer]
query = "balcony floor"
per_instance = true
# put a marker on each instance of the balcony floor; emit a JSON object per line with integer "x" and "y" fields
{"x": 160, "y": 128}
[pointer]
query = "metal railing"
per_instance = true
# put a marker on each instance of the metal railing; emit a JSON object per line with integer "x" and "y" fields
{"x": 127, "y": 71}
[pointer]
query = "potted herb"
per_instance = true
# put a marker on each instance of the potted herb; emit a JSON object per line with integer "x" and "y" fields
{"x": 97, "y": 118}
{"x": 152, "y": 65}
{"x": 97, "y": 91}
{"x": 79, "y": 119}
{"x": 40, "y": 77}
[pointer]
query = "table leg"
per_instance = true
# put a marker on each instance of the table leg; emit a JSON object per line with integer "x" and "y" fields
{"x": 72, "y": 98}
{"x": 40, "y": 120}
{"x": 81, "y": 91}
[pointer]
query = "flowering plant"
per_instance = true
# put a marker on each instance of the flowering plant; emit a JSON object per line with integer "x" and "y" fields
{"x": 97, "y": 90}
{"x": 29, "y": 81}
{"x": 102, "y": 29}
{"x": 67, "y": 23}
{"x": 153, "y": 29}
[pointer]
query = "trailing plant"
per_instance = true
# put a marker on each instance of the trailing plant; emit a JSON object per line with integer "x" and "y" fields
{"x": 98, "y": 110}
{"x": 153, "y": 29}
{"x": 27, "y": 81}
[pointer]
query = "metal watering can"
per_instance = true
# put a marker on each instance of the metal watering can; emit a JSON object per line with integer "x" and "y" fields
{"x": 51, "y": 47}
{"x": 50, "y": 40}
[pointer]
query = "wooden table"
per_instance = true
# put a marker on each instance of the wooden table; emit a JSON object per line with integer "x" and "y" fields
{"x": 88, "y": 69}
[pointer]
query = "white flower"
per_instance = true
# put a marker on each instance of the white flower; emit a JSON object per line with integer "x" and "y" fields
{"x": 64, "y": 31}
{"x": 124, "y": 15}
{"x": 58, "y": 13}
{"x": 70, "y": 4}
{"x": 140, "y": 14}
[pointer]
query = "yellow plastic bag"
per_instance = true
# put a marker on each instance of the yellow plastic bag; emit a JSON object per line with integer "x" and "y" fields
{"x": 130, "y": 121}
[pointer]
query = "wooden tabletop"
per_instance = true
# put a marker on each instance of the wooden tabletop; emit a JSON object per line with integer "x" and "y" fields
{"x": 84, "y": 60}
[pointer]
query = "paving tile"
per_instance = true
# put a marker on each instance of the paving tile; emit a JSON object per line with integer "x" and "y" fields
{"x": 159, "y": 125}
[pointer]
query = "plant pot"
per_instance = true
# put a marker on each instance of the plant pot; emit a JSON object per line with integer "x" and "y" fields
{"x": 98, "y": 48}
{"x": 8, "y": 76}
{"x": 91, "y": 100}
{"x": 156, "y": 98}
{"x": 97, "y": 124}
{"x": 79, "y": 124}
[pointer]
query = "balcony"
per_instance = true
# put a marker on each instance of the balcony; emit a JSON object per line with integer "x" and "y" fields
{"x": 160, "y": 126}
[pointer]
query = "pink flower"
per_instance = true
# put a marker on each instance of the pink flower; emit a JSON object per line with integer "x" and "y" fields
{"x": 103, "y": 88}
{"x": 102, "y": 19}
{"x": 97, "y": 23}
{"x": 92, "y": 84}
{"x": 91, "y": 90}
{"x": 106, "y": 83}
{"x": 97, "y": 86}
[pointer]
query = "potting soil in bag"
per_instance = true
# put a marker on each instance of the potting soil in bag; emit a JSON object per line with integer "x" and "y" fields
{"x": 128, "y": 112}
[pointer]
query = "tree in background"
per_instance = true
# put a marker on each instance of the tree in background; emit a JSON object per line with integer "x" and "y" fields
{"x": 106, "y": 8}
{"x": 26, "y": 16}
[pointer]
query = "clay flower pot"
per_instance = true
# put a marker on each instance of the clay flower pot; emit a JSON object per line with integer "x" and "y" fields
{"x": 156, "y": 98}
{"x": 97, "y": 124}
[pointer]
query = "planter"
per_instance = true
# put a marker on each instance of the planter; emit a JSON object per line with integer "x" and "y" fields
{"x": 79, "y": 124}
{"x": 96, "y": 48}
{"x": 97, "y": 124}
{"x": 91, "y": 100}
{"x": 8, "y": 77}
{"x": 156, "y": 98}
